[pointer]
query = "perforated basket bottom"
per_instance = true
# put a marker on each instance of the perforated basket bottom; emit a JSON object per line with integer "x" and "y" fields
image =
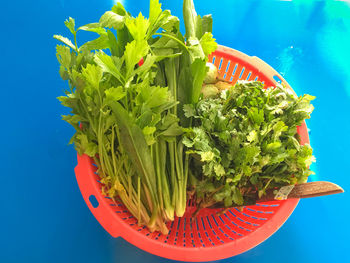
{"x": 208, "y": 228}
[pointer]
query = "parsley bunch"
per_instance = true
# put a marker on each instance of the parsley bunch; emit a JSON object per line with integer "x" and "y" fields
{"x": 245, "y": 141}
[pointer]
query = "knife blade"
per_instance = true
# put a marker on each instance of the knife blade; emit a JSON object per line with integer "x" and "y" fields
{"x": 305, "y": 190}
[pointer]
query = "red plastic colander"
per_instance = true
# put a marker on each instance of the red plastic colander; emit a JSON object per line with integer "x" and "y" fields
{"x": 208, "y": 236}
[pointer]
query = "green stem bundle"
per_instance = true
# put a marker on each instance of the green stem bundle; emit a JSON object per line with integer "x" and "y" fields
{"x": 128, "y": 117}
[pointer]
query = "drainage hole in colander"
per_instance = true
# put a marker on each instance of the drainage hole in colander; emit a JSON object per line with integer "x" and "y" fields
{"x": 221, "y": 60}
{"x": 228, "y": 66}
{"x": 240, "y": 75}
{"x": 277, "y": 78}
{"x": 203, "y": 223}
{"x": 250, "y": 73}
{"x": 258, "y": 211}
{"x": 206, "y": 233}
{"x": 184, "y": 233}
{"x": 262, "y": 205}
{"x": 209, "y": 222}
{"x": 93, "y": 201}
{"x": 167, "y": 237}
{"x": 129, "y": 217}
{"x": 229, "y": 228}
{"x": 222, "y": 231}
{"x": 141, "y": 228}
{"x": 240, "y": 219}
{"x": 200, "y": 238}
{"x": 217, "y": 237}
{"x": 234, "y": 70}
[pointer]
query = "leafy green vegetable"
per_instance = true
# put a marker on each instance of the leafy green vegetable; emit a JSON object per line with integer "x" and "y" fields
{"x": 247, "y": 140}
{"x": 126, "y": 115}
{"x": 135, "y": 145}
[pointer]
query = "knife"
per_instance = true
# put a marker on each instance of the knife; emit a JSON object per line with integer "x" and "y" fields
{"x": 305, "y": 190}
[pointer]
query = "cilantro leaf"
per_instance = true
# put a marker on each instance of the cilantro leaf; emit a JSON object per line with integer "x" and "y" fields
{"x": 248, "y": 139}
{"x": 189, "y": 110}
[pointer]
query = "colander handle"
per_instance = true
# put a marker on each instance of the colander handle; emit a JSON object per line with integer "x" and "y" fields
{"x": 91, "y": 190}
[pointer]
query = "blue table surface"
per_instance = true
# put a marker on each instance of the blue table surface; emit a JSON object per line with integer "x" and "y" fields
{"x": 43, "y": 216}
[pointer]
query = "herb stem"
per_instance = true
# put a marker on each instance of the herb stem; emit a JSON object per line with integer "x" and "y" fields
{"x": 75, "y": 43}
{"x": 173, "y": 38}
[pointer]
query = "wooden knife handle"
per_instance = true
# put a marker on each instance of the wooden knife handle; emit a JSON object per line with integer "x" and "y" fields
{"x": 305, "y": 190}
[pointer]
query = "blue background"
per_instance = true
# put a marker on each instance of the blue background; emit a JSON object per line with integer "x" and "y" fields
{"x": 43, "y": 216}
